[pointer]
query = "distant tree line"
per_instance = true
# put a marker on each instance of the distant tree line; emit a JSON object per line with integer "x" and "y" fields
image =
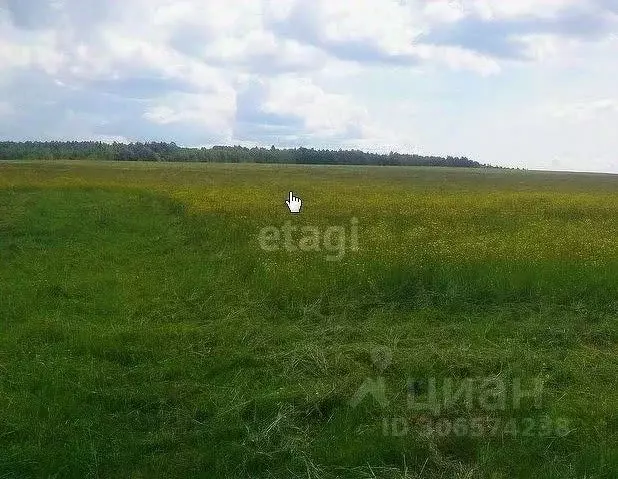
{"x": 160, "y": 151}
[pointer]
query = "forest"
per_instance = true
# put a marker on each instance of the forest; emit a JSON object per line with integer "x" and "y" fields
{"x": 161, "y": 151}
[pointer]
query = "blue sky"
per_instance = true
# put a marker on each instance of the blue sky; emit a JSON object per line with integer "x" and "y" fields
{"x": 523, "y": 83}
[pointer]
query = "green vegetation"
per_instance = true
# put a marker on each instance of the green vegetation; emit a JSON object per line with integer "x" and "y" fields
{"x": 144, "y": 333}
{"x": 158, "y": 151}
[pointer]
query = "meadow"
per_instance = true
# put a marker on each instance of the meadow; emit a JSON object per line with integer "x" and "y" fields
{"x": 145, "y": 332}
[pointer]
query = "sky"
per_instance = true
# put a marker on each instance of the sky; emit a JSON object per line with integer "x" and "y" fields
{"x": 518, "y": 83}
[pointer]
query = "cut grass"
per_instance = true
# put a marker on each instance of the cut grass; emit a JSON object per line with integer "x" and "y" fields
{"x": 144, "y": 333}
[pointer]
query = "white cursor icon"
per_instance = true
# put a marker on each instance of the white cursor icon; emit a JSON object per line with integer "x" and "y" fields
{"x": 294, "y": 203}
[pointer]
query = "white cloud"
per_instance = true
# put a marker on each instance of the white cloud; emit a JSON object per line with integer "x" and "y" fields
{"x": 324, "y": 114}
{"x": 391, "y": 26}
{"x": 37, "y": 50}
{"x": 383, "y": 30}
{"x": 458, "y": 58}
{"x": 329, "y": 73}
{"x": 586, "y": 110}
{"x": 497, "y": 9}
{"x": 550, "y": 47}
{"x": 447, "y": 11}
{"x": 213, "y": 112}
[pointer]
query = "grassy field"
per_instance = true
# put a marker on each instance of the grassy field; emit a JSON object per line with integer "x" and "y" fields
{"x": 146, "y": 333}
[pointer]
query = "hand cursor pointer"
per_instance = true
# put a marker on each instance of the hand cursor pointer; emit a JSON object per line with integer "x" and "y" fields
{"x": 294, "y": 203}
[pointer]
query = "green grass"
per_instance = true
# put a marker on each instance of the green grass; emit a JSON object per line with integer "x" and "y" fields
{"x": 144, "y": 333}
